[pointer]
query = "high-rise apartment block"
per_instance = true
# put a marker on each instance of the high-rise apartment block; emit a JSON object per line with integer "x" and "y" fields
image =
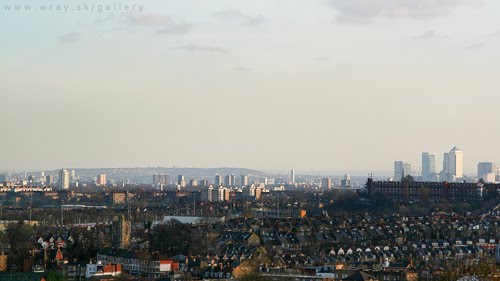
{"x": 326, "y": 183}
{"x": 101, "y": 180}
{"x": 217, "y": 180}
{"x": 64, "y": 179}
{"x": 244, "y": 180}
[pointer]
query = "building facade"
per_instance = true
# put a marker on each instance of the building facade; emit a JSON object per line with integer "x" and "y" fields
{"x": 428, "y": 166}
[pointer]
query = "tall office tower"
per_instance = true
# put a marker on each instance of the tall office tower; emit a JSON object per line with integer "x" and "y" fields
{"x": 401, "y": 170}
{"x": 193, "y": 183}
{"x": 455, "y": 164}
{"x": 428, "y": 166}
{"x": 228, "y": 180}
{"x": 121, "y": 234}
{"x": 181, "y": 181}
{"x": 49, "y": 180}
{"x": 292, "y": 176}
{"x": 63, "y": 179}
{"x": 445, "y": 172}
{"x": 244, "y": 180}
{"x": 101, "y": 180}
{"x": 326, "y": 183}
{"x": 73, "y": 175}
{"x": 207, "y": 193}
{"x": 217, "y": 180}
{"x": 3, "y": 178}
{"x": 346, "y": 182}
{"x": 203, "y": 183}
{"x": 484, "y": 168}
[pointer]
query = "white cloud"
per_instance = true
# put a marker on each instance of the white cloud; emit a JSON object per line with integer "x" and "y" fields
{"x": 198, "y": 48}
{"x": 475, "y": 46}
{"x": 244, "y": 69}
{"x": 364, "y": 11}
{"x": 70, "y": 37}
{"x": 154, "y": 19}
{"x": 321, "y": 58}
{"x": 429, "y": 34}
{"x": 167, "y": 24}
{"x": 239, "y": 17}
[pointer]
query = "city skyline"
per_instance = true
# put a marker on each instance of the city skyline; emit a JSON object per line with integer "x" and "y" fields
{"x": 271, "y": 85}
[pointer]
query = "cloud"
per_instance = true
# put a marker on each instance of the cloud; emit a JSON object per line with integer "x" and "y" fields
{"x": 475, "y": 46}
{"x": 429, "y": 34}
{"x": 321, "y": 58}
{"x": 70, "y": 37}
{"x": 154, "y": 19}
{"x": 363, "y": 11}
{"x": 426, "y": 35}
{"x": 239, "y": 17}
{"x": 244, "y": 69}
{"x": 175, "y": 29}
{"x": 165, "y": 22}
{"x": 199, "y": 49}
{"x": 496, "y": 34}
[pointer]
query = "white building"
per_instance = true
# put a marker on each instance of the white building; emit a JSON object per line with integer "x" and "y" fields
{"x": 484, "y": 168}
{"x": 455, "y": 164}
{"x": 428, "y": 166}
{"x": 206, "y": 193}
{"x": 217, "y": 180}
{"x": 64, "y": 179}
{"x": 401, "y": 170}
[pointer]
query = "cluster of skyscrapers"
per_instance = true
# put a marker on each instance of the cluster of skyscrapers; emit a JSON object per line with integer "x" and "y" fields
{"x": 452, "y": 169}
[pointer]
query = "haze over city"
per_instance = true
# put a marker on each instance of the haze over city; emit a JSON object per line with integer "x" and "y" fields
{"x": 310, "y": 85}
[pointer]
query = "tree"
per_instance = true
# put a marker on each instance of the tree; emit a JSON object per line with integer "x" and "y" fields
{"x": 54, "y": 276}
{"x": 171, "y": 238}
{"x": 19, "y": 237}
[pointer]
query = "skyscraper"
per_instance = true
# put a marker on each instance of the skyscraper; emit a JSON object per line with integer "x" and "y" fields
{"x": 181, "y": 181}
{"x": 228, "y": 180}
{"x": 217, "y": 180}
{"x": 233, "y": 179}
{"x": 401, "y": 170}
{"x": 3, "y": 178}
{"x": 292, "y": 176}
{"x": 484, "y": 168}
{"x": 49, "y": 180}
{"x": 428, "y": 166}
{"x": 101, "y": 180}
{"x": 455, "y": 164}
{"x": 207, "y": 193}
{"x": 63, "y": 179}
{"x": 346, "y": 182}
{"x": 244, "y": 180}
{"x": 326, "y": 183}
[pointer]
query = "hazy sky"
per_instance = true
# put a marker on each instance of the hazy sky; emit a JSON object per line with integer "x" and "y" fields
{"x": 310, "y": 85}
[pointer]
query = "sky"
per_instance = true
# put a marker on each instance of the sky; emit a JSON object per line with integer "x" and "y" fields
{"x": 330, "y": 85}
